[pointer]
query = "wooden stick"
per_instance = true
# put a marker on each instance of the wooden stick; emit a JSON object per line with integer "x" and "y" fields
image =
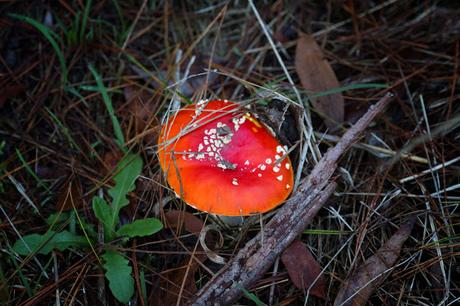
{"x": 258, "y": 254}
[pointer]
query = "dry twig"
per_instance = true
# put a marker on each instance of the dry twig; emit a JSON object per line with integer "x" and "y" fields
{"x": 258, "y": 255}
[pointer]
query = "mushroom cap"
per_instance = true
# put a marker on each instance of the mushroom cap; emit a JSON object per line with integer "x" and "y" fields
{"x": 220, "y": 159}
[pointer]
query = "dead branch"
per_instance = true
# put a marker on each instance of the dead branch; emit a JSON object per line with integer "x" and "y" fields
{"x": 258, "y": 255}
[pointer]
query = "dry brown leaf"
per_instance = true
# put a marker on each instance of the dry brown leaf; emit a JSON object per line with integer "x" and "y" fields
{"x": 173, "y": 280}
{"x": 111, "y": 160}
{"x": 142, "y": 108}
{"x": 362, "y": 283}
{"x": 316, "y": 76}
{"x": 9, "y": 92}
{"x": 178, "y": 219}
{"x": 70, "y": 195}
{"x": 303, "y": 269}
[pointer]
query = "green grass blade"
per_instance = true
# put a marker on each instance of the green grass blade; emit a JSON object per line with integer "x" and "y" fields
{"x": 64, "y": 129}
{"x": 348, "y": 87}
{"x": 143, "y": 286}
{"x": 49, "y": 36}
{"x": 108, "y": 104}
{"x": 31, "y": 172}
{"x": 325, "y": 232}
{"x": 252, "y": 297}
{"x": 85, "y": 20}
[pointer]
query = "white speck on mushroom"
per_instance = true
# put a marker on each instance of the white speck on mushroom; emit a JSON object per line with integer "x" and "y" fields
{"x": 236, "y": 124}
{"x": 246, "y": 163}
{"x": 235, "y": 182}
{"x": 279, "y": 149}
{"x": 287, "y": 166}
{"x": 201, "y": 102}
{"x": 277, "y": 157}
{"x": 262, "y": 167}
{"x": 288, "y": 186}
{"x": 200, "y": 156}
{"x": 206, "y": 142}
{"x": 200, "y": 147}
{"x": 279, "y": 178}
{"x": 259, "y": 175}
{"x": 227, "y": 139}
{"x": 208, "y": 149}
{"x": 276, "y": 169}
{"x": 211, "y": 153}
{"x": 219, "y": 124}
{"x": 268, "y": 161}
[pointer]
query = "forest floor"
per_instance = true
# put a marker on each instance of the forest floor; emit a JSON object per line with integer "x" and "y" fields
{"x": 85, "y": 87}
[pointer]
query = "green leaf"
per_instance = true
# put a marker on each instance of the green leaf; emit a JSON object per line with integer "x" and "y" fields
{"x": 140, "y": 228}
{"x": 103, "y": 213}
{"x": 118, "y": 273}
{"x": 58, "y": 218}
{"x": 128, "y": 170}
{"x": 44, "y": 244}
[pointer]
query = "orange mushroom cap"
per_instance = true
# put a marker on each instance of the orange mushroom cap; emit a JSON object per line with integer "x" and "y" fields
{"x": 222, "y": 160}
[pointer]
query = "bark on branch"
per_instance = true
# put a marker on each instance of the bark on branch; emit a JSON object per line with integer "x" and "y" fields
{"x": 258, "y": 255}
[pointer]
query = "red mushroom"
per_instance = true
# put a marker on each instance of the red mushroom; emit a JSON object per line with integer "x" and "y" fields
{"x": 220, "y": 159}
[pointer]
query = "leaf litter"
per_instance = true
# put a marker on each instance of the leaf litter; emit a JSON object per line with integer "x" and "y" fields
{"x": 316, "y": 76}
{"x": 304, "y": 270}
{"x": 367, "y": 278}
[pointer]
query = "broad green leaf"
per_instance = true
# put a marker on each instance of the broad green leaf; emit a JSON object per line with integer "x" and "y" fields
{"x": 127, "y": 170}
{"x": 118, "y": 273}
{"x": 140, "y": 228}
{"x": 103, "y": 213}
{"x": 44, "y": 244}
{"x": 57, "y": 218}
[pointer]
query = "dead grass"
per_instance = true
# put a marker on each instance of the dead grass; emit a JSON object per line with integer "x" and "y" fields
{"x": 156, "y": 56}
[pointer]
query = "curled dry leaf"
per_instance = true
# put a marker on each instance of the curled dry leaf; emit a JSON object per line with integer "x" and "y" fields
{"x": 363, "y": 282}
{"x": 303, "y": 269}
{"x": 317, "y": 76}
{"x": 204, "y": 239}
